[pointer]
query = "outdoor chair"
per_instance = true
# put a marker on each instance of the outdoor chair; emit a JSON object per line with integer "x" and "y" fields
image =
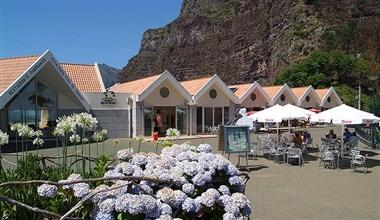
{"x": 295, "y": 153}
{"x": 359, "y": 161}
{"x": 278, "y": 154}
{"x": 327, "y": 157}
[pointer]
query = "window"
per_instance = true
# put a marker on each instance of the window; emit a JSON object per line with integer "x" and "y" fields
{"x": 282, "y": 97}
{"x": 329, "y": 99}
{"x": 218, "y": 117}
{"x": 164, "y": 92}
{"x": 199, "y": 119}
{"x": 307, "y": 98}
{"x": 253, "y": 96}
{"x": 213, "y": 93}
{"x": 181, "y": 119}
{"x": 226, "y": 115}
{"x": 147, "y": 117}
{"x": 208, "y": 119}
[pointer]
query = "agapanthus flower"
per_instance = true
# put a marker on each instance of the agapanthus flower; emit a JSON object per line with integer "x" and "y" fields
{"x": 38, "y": 141}
{"x": 224, "y": 190}
{"x": 85, "y": 120}
{"x": 206, "y": 148}
{"x": 47, "y": 190}
{"x": 188, "y": 188}
{"x": 4, "y": 138}
{"x": 75, "y": 139}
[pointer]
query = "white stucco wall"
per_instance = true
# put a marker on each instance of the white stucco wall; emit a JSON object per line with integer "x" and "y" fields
{"x": 174, "y": 98}
{"x": 287, "y": 100}
{"x": 259, "y": 102}
{"x": 220, "y": 100}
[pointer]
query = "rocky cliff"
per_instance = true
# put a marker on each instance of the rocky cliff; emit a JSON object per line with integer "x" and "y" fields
{"x": 247, "y": 40}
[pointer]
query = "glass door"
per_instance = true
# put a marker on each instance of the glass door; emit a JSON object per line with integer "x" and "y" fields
{"x": 218, "y": 116}
{"x": 199, "y": 120}
{"x": 208, "y": 118}
{"x": 147, "y": 121}
{"x": 181, "y": 116}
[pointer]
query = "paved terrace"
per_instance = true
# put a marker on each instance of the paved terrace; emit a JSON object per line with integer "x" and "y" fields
{"x": 292, "y": 192}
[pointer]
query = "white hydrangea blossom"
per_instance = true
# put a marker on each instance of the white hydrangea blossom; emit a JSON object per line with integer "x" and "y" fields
{"x": 47, "y": 190}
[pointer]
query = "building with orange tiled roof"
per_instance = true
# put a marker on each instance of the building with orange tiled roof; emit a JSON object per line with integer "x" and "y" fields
{"x": 329, "y": 98}
{"x": 281, "y": 95}
{"x": 251, "y": 96}
{"x": 213, "y": 103}
{"x": 307, "y": 97}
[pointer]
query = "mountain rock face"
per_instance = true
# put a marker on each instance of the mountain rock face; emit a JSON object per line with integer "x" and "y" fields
{"x": 247, "y": 40}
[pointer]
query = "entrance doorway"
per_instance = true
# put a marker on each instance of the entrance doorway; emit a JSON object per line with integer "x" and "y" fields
{"x": 172, "y": 117}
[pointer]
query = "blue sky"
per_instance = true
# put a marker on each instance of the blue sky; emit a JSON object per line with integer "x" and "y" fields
{"x": 81, "y": 31}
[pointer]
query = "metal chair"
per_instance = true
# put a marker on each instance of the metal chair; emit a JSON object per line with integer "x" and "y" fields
{"x": 327, "y": 157}
{"x": 295, "y": 153}
{"x": 359, "y": 161}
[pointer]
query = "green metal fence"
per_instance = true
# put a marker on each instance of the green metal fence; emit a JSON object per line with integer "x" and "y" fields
{"x": 366, "y": 133}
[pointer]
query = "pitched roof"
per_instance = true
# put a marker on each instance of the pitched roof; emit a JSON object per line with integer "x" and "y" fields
{"x": 12, "y": 68}
{"x": 135, "y": 87}
{"x": 299, "y": 91}
{"x": 272, "y": 90}
{"x": 193, "y": 86}
{"x": 240, "y": 89}
{"x": 322, "y": 92}
{"x": 84, "y": 76}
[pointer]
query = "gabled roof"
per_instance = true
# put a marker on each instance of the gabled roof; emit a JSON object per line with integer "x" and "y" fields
{"x": 242, "y": 91}
{"x": 322, "y": 92}
{"x": 193, "y": 86}
{"x": 274, "y": 92}
{"x": 86, "y": 77}
{"x": 16, "y": 72}
{"x": 143, "y": 87}
{"x": 12, "y": 68}
{"x": 327, "y": 93}
{"x": 136, "y": 87}
{"x": 302, "y": 92}
{"x": 198, "y": 87}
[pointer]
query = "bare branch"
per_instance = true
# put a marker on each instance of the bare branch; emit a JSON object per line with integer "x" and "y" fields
{"x": 80, "y": 203}
{"x": 34, "y": 209}
{"x": 130, "y": 178}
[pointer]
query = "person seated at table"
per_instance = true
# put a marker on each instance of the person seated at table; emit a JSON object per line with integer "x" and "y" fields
{"x": 297, "y": 140}
{"x": 354, "y": 139}
{"x": 346, "y": 135}
{"x": 331, "y": 134}
{"x": 306, "y": 136}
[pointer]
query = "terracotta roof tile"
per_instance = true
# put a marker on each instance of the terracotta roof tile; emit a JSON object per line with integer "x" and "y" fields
{"x": 241, "y": 89}
{"x": 322, "y": 92}
{"x": 299, "y": 91}
{"x": 12, "y": 68}
{"x": 193, "y": 86}
{"x": 84, "y": 76}
{"x": 136, "y": 87}
{"x": 272, "y": 90}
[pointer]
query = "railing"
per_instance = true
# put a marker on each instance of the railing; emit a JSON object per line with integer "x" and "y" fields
{"x": 366, "y": 134}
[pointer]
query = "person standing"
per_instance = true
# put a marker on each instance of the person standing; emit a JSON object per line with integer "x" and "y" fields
{"x": 158, "y": 124}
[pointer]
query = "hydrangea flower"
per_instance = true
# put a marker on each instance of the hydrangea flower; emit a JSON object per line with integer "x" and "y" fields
{"x": 235, "y": 181}
{"x": 102, "y": 195}
{"x": 206, "y": 148}
{"x": 125, "y": 168}
{"x": 107, "y": 205}
{"x": 165, "y": 209}
{"x": 179, "y": 198}
{"x": 113, "y": 173}
{"x": 103, "y": 216}
{"x": 165, "y": 194}
{"x": 124, "y": 155}
{"x": 47, "y": 190}
{"x": 139, "y": 159}
{"x": 72, "y": 177}
{"x": 224, "y": 190}
{"x": 81, "y": 190}
{"x": 188, "y": 188}
{"x": 188, "y": 205}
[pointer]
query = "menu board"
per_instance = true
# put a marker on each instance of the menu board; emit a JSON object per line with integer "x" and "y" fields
{"x": 236, "y": 139}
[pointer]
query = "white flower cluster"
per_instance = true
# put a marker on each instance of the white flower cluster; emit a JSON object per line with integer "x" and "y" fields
{"x": 4, "y": 138}
{"x": 172, "y": 132}
{"x": 202, "y": 182}
{"x": 99, "y": 136}
{"x": 27, "y": 132}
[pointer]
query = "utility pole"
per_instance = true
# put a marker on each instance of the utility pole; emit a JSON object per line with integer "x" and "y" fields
{"x": 360, "y": 88}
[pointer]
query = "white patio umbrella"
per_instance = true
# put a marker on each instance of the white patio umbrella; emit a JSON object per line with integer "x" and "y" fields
{"x": 345, "y": 115}
{"x": 271, "y": 115}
